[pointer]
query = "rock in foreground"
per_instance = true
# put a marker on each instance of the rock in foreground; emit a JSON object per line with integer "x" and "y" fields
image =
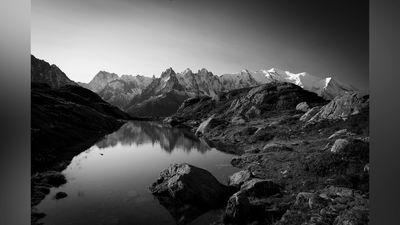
{"x": 187, "y": 191}
{"x": 190, "y": 184}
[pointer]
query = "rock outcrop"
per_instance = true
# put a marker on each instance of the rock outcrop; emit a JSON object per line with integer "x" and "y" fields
{"x": 341, "y": 107}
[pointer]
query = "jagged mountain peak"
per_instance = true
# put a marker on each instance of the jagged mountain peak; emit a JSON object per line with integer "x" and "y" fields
{"x": 204, "y": 72}
{"x": 168, "y": 72}
{"x": 187, "y": 71}
{"x": 245, "y": 71}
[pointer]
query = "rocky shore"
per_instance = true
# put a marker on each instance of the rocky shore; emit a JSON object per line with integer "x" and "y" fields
{"x": 304, "y": 160}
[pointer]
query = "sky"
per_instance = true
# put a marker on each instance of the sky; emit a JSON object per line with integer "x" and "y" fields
{"x": 323, "y": 38}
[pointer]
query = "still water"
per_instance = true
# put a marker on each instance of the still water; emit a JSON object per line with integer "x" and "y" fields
{"x": 108, "y": 183}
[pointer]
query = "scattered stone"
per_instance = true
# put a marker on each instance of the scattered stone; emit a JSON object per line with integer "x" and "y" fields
{"x": 60, "y": 195}
{"x": 237, "y": 120}
{"x": 52, "y": 178}
{"x": 363, "y": 139}
{"x": 171, "y": 121}
{"x": 238, "y": 178}
{"x": 366, "y": 168}
{"x": 302, "y": 106}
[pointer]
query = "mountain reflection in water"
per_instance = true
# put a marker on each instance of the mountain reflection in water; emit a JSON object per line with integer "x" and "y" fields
{"x": 140, "y": 133}
{"x": 109, "y": 182}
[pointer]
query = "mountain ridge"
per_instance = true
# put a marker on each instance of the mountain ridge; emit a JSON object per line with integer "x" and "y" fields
{"x": 134, "y": 94}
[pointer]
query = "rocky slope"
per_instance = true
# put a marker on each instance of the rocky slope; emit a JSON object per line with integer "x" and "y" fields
{"x": 43, "y": 72}
{"x": 320, "y": 166}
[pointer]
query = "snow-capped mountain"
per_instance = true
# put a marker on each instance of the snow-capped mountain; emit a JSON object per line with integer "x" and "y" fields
{"x": 144, "y": 96}
{"x": 327, "y": 88}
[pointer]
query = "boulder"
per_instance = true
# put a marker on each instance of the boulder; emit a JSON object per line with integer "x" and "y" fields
{"x": 260, "y": 188}
{"x": 185, "y": 183}
{"x": 60, "y": 195}
{"x": 339, "y": 145}
{"x": 187, "y": 192}
{"x": 339, "y": 133}
{"x": 237, "y": 120}
{"x": 302, "y": 106}
{"x": 237, "y": 208}
{"x": 171, "y": 121}
{"x": 239, "y": 178}
{"x": 251, "y": 201}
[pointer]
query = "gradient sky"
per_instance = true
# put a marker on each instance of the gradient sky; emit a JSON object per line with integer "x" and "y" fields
{"x": 324, "y": 38}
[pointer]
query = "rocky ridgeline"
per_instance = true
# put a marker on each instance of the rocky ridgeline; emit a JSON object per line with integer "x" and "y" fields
{"x": 162, "y": 96}
{"x": 293, "y": 170}
{"x": 43, "y": 72}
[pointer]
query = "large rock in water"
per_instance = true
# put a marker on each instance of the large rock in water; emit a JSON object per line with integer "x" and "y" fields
{"x": 190, "y": 184}
{"x": 187, "y": 191}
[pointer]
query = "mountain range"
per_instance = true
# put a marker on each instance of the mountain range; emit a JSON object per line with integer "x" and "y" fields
{"x": 145, "y": 96}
